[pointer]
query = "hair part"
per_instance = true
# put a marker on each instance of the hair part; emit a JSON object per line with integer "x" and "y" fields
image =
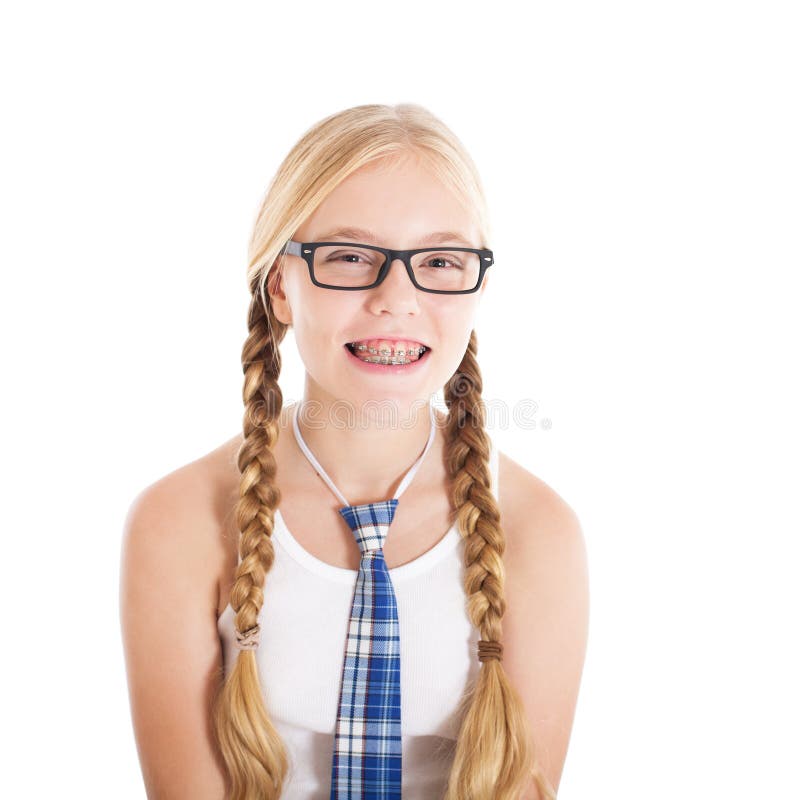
{"x": 494, "y": 757}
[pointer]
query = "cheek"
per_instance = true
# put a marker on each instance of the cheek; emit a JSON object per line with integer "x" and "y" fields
{"x": 321, "y": 320}
{"x": 454, "y": 324}
{"x": 455, "y": 318}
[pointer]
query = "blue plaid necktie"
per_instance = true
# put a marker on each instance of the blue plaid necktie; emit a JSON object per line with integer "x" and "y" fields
{"x": 367, "y": 751}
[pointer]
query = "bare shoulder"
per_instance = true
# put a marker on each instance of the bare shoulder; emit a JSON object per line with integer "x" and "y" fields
{"x": 533, "y": 510}
{"x": 545, "y": 627}
{"x": 184, "y": 518}
{"x": 172, "y": 551}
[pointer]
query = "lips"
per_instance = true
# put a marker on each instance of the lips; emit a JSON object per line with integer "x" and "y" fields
{"x": 383, "y": 362}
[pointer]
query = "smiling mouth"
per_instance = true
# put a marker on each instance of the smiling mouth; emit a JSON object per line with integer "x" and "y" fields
{"x": 385, "y": 356}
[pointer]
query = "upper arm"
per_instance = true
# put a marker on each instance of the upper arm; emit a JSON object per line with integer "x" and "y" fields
{"x": 168, "y": 602}
{"x": 545, "y": 627}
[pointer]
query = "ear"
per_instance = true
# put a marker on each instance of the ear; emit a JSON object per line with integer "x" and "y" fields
{"x": 277, "y": 295}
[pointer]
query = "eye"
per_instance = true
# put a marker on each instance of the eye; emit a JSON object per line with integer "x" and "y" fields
{"x": 443, "y": 261}
{"x": 351, "y": 256}
{"x": 342, "y": 256}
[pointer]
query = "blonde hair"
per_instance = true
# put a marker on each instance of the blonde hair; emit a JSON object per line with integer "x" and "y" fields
{"x": 494, "y": 755}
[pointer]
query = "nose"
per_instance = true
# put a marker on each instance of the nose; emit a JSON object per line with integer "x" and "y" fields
{"x": 396, "y": 292}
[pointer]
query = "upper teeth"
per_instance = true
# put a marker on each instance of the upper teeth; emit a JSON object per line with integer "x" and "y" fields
{"x": 384, "y": 348}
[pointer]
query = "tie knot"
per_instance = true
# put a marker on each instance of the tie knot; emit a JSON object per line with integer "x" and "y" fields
{"x": 370, "y": 522}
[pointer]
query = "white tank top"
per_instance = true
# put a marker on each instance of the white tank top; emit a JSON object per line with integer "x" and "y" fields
{"x": 304, "y": 620}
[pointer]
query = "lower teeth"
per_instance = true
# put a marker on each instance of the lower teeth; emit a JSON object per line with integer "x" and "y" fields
{"x": 385, "y": 360}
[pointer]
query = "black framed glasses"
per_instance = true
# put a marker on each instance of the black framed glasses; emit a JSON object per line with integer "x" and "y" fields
{"x": 350, "y": 266}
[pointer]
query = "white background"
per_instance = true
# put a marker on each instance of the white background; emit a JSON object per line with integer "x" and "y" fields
{"x": 641, "y": 163}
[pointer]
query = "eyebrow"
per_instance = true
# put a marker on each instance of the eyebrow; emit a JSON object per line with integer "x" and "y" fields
{"x": 362, "y": 235}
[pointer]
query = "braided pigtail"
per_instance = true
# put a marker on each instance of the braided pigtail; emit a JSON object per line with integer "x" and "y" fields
{"x": 494, "y": 758}
{"x": 254, "y": 754}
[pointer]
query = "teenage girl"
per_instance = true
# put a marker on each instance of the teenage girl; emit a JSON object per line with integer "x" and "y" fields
{"x": 238, "y": 570}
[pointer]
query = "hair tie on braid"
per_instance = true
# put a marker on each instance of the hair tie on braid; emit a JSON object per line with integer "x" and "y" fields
{"x": 249, "y": 639}
{"x": 489, "y": 650}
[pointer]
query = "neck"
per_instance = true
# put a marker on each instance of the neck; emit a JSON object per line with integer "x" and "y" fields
{"x": 365, "y": 453}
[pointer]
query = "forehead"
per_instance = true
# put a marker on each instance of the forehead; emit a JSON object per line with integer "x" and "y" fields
{"x": 399, "y": 201}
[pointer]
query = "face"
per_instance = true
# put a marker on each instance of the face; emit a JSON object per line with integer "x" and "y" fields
{"x": 400, "y": 202}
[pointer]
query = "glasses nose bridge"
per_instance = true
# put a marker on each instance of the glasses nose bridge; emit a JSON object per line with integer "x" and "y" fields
{"x": 397, "y": 255}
